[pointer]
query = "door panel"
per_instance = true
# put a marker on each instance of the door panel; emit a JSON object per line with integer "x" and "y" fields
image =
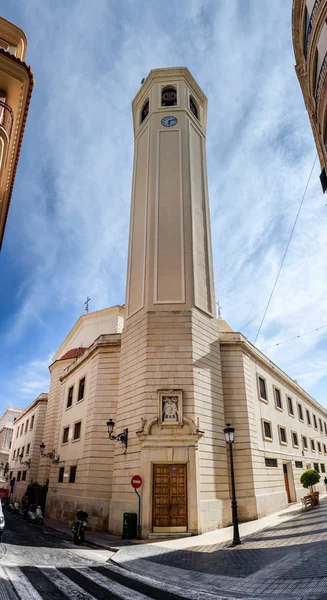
{"x": 169, "y": 498}
{"x": 287, "y": 484}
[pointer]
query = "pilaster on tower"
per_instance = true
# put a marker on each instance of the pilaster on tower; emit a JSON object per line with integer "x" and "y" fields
{"x": 170, "y": 257}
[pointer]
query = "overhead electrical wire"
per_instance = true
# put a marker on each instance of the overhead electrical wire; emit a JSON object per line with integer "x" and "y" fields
{"x": 295, "y": 337}
{"x": 286, "y": 250}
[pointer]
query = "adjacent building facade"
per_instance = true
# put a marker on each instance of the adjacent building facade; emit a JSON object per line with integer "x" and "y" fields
{"x": 16, "y": 85}
{"x": 25, "y": 448}
{"x": 6, "y": 435}
{"x": 309, "y": 29}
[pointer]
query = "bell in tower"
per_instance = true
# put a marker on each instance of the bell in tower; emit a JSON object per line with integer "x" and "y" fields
{"x": 170, "y": 391}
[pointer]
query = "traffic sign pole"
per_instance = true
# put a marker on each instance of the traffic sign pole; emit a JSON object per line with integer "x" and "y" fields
{"x": 136, "y": 482}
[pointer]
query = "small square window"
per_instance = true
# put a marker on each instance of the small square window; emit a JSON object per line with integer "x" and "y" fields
{"x": 28, "y": 448}
{"x": 81, "y": 388}
{"x": 320, "y": 425}
{"x": 72, "y": 474}
{"x": 322, "y": 466}
{"x": 282, "y": 435}
{"x": 298, "y": 464}
{"x": 316, "y": 467}
{"x": 295, "y": 439}
{"x": 267, "y": 430}
{"x": 24, "y": 475}
{"x": 304, "y": 442}
{"x": 313, "y": 448}
{"x": 271, "y": 462}
{"x": 70, "y": 397}
{"x": 290, "y": 406}
{"x": 19, "y": 474}
{"x": 77, "y": 430}
{"x": 61, "y": 474}
{"x": 308, "y": 417}
{"x": 65, "y": 435}
{"x": 315, "y": 421}
{"x": 278, "y": 399}
{"x": 32, "y": 423}
{"x": 299, "y": 407}
{"x": 319, "y": 447}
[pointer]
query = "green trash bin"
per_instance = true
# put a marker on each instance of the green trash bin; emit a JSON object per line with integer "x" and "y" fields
{"x": 129, "y": 526}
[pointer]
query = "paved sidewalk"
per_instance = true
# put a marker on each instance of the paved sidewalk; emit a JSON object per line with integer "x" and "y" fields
{"x": 94, "y": 538}
{"x": 287, "y": 559}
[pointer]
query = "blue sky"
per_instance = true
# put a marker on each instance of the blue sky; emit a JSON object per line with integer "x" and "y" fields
{"x": 67, "y": 231}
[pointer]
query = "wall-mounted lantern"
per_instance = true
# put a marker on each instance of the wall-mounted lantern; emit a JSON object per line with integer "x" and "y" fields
{"x": 121, "y": 437}
{"x": 52, "y": 455}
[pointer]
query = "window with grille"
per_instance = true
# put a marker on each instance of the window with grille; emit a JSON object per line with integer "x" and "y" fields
{"x": 299, "y": 407}
{"x": 70, "y": 397}
{"x": 61, "y": 474}
{"x": 267, "y": 430}
{"x": 278, "y": 398}
{"x": 72, "y": 474}
{"x": 77, "y": 430}
{"x": 298, "y": 464}
{"x": 282, "y": 433}
{"x": 271, "y": 462}
{"x": 295, "y": 439}
{"x": 65, "y": 435}
{"x": 81, "y": 388}
{"x": 290, "y": 406}
{"x": 262, "y": 388}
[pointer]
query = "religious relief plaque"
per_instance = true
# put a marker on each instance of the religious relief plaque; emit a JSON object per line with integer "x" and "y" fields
{"x": 170, "y": 407}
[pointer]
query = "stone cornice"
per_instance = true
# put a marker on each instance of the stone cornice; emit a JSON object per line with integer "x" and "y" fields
{"x": 103, "y": 341}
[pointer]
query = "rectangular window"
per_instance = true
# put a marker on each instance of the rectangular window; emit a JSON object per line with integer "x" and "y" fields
{"x": 324, "y": 447}
{"x": 298, "y": 464}
{"x": 24, "y": 475}
{"x": 10, "y": 475}
{"x": 32, "y": 423}
{"x": 70, "y": 397}
{"x": 315, "y": 421}
{"x": 262, "y": 388}
{"x": 26, "y": 426}
{"x": 322, "y": 466}
{"x": 77, "y": 430}
{"x": 267, "y": 430}
{"x": 22, "y": 452}
{"x": 295, "y": 439}
{"x": 271, "y": 462}
{"x": 14, "y": 454}
{"x": 282, "y": 435}
{"x": 313, "y": 448}
{"x": 316, "y": 467}
{"x": 17, "y": 434}
{"x": 299, "y": 407}
{"x": 304, "y": 442}
{"x": 19, "y": 475}
{"x": 28, "y": 448}
{"x": 320, "y": 424}
{"x": 325, "y": 426}
{"x": 18, "y": 452}
{"x": 308, "y": 417}
{"x": 65, "y": 435}
{"x": 22, "y": 429}
{"x": 319, "y": 447}
{"x": 81, "y": 389}
{"x": 278, "y": 399}
{"x": 61, "y": 474}
{"x": 290, "y": 406}
{"x": 72, "y": 474}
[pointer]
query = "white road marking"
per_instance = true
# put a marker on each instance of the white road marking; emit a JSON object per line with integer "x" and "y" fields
{"x": 22, "y": 585}
{"x": 66, "y": 585}
{"x": 116, "y": 588}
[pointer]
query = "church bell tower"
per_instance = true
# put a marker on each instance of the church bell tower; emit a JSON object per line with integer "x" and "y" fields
{"x": 170, "y": 389}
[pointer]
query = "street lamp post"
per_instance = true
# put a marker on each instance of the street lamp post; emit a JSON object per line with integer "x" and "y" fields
{"x": 229, "y": 435}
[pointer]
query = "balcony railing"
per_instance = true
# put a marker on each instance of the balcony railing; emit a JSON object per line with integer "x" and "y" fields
{"x": 6, "y": 117}
{"x": 321, "y": 79}
{"x": 308, "y": 32}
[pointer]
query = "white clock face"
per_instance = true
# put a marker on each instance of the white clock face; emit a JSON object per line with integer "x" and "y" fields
{"x": 169, "y": 121}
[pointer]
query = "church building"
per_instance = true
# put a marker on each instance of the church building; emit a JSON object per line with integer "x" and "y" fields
{"x": 162, "y": 374}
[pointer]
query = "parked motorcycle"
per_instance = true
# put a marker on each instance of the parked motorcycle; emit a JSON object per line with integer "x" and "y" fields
{"x": 33, "y": 512}
{"x": 79, "y": 527}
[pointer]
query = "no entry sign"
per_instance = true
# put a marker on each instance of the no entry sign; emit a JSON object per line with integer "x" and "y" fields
{"x": 136, "y": 481}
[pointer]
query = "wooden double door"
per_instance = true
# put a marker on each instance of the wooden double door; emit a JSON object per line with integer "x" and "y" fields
{"x": 169, "y": 498}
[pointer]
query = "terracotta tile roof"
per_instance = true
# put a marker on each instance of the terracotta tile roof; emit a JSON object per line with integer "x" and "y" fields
{"x": 28, "y": 99}
{"x": 73, "y": 353}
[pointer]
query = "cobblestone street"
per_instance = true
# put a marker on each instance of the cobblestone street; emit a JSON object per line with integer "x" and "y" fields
{"x": 288, "y": 560}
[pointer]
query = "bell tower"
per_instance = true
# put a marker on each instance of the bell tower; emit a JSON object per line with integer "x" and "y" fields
{"x": 170, "y": 262}
{"x": 170, "y": 388}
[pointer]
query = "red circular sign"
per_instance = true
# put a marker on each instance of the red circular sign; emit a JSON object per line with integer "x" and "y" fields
{"x": 136, "y": 481}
